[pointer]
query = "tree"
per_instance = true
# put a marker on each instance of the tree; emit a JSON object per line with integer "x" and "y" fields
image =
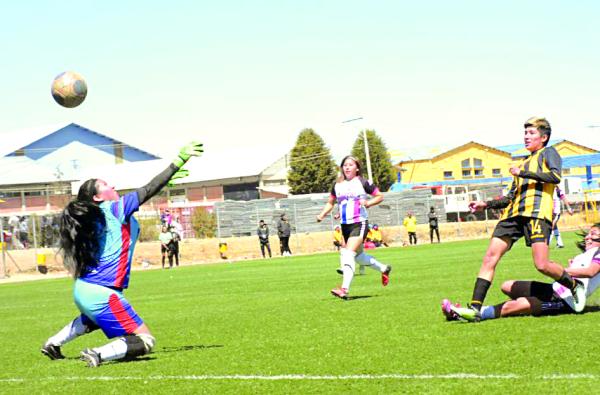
{"x": 204, "y": 223}
{"x": 384, "y": 174}
{"x": 312, "y": 169}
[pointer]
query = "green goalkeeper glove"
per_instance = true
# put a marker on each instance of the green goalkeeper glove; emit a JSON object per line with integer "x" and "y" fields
{"x": 178, "y": 174}
{"x": 192, "y": 149}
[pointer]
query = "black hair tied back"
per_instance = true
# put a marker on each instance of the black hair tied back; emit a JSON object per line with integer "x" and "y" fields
{"x": 81, "y": 226}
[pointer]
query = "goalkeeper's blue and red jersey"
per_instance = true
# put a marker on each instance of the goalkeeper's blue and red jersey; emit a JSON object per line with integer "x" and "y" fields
{"x": 116, "y": 244}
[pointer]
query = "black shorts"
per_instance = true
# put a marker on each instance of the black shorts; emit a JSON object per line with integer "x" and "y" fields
{"x": 542, "y": 291}
{"x": 360, "y": 229}
{"x": 169, "y": 249}
{"x": 534, "y": 230}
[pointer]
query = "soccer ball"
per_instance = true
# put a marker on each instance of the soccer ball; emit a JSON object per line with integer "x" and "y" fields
{"x": 69, "y": 89}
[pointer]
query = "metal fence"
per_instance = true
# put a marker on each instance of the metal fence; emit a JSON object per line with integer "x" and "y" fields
{"x": 240, "y": 218}
{"x": 27, "y": 232}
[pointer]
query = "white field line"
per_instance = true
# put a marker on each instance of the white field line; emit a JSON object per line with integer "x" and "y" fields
{"x": 300, "y": 377}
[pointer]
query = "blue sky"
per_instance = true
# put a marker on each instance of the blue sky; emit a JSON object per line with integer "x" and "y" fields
{"x": 254, "y": 73}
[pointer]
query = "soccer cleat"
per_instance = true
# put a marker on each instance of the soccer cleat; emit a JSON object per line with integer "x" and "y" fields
{"x": 341, "y": 293}
{"x": 385, "y": 276}
{"x": 339, "y": 271}
{"x": 52, "y": 351}
{"x": 579, "y": 297}
{"x": 448, "y": 312}
{"x": 466, "y": 313}
{"x": 91, "y": 357}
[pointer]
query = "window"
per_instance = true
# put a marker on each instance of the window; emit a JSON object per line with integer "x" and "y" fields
{"x": 477, "y": 163}
{"x": 478, "y": 172}
{"x": 496, "y": 173}
{"x": 566, "y": 171}
{"x": 460, "y": 190}
{"x": 447, "y": 175}
{"x": 466, "y": 173}
{"x": 466, "y": 164}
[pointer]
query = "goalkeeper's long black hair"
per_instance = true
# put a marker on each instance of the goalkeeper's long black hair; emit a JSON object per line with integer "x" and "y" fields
{"x": 81, "y": 226}
{"x": 581, "y": 243}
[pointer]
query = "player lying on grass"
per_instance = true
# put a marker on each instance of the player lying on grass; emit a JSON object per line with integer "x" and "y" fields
{"x": 537, "y": 298}
{"x": 98, "y": 235}
{"x": 527, "y": 213}
{"x": 351, "y": 193}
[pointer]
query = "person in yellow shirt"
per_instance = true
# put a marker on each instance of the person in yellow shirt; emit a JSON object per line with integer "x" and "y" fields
{"x": 337, "y": 237}
{"x": 410, "y": 222}
{"x": 376, "y": 236}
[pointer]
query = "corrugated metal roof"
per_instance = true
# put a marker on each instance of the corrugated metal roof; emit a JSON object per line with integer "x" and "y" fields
{"x": 511, "y": 148}
{"x": 17, "y": 170}
{"x": 581, "y": 161}
{"x": 17, "y": 139}
{"x": 212, "y": 165}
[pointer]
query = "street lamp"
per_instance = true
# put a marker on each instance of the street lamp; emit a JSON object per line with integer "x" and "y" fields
{"x": 367, "y": 155}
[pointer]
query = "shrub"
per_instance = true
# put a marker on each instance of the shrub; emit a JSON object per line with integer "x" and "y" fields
{"x": 149, "y": 229}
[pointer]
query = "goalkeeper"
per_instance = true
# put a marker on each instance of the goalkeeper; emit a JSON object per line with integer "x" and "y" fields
{"x": 98, "y": 233}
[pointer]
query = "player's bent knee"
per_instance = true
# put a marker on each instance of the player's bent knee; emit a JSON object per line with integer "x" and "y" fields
{"x": 138, "y": 345}
{"x": 507, "y": 287}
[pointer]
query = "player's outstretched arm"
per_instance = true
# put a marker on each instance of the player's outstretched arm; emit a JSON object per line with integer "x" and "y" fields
{"x": 158, "y": 182}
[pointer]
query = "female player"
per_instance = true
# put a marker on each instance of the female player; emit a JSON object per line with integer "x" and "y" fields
{"x": 537, "y": 298}
{"x": 350, "y": 191}
{"x": 527, "y": 213}
{"x": 98, "y": 234}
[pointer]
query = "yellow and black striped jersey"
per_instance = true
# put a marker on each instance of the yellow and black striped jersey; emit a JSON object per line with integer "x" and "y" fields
{"x": 531, "y": 193}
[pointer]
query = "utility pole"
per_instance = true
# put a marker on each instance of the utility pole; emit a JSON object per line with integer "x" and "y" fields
{"x": 366, "y": 141}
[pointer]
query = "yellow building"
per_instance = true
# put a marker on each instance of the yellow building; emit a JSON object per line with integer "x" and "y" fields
{"x": 474, "y": 162}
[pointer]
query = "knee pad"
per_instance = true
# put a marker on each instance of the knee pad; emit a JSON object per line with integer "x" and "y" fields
{"x": 138, "y": 344}
{"x": 148, "y": 340}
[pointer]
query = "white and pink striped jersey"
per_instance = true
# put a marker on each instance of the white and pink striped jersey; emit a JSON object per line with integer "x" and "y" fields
{"x": 558, "y": 196}
{"x": 588, "y": 258}
{"x": 348, "y": 194}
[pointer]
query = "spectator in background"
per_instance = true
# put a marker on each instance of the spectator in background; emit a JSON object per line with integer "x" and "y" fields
{"x": 263, "y": 237}
{"x": 410, "y": 222}
{"x": 284, "y": 231}
{"x": 166, "y": 245}
{"x": 433, "y": 225}
{"x": 47, "y": 231}
{"x": 557, "y": 198}
{"x": 337, "y": 237}
{"x": 13, "y": 223}
{"x": 376, "y": 236}
{"x": 24, "y": 232}
{"x": 166, "y": 218}
{"x": 223, "y": 250}
{"x": 177, "y": 232}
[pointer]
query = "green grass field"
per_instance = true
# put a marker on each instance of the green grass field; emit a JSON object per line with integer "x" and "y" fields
{"x": 271, "y": 326}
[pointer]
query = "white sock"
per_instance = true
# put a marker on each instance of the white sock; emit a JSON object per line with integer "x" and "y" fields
{"x": 559, "y": 241}
{"x": 69, "y": 332}
{"x": 368, "y": 260}
{"x": 347, "y": 259}
{"x": 113, "y": 350}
